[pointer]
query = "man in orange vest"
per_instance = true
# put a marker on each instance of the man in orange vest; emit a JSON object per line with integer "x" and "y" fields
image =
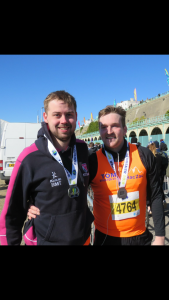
{"x": 121, "y": 176}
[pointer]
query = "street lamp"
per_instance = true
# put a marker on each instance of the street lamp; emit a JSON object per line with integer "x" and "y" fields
{"x": 41, "y": 113}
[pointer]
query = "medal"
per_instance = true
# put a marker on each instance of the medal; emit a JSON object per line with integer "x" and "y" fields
{"x": 73, "y": 191}
{"x": 122, "y": 193}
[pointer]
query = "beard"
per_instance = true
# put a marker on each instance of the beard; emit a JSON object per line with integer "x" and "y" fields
{"x": 65, "y": 136}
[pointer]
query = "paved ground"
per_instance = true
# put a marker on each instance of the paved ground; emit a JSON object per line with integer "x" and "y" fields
{"x": 3, "y": 189}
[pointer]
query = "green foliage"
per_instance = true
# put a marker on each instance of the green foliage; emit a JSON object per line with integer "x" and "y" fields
{"x": 81, "y": 128}
{"x": 138, "y": 120}
{"x": 142, "y": 118}
{"x": 93, "y": 126}
{"x": 167, "y": 113}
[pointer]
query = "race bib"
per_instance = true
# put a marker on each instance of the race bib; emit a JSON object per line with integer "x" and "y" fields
{"x": 124, "y": 208}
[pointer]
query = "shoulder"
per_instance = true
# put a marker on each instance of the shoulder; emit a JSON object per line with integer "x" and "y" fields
{"x": 81, "y": 143}
{"x": 146, "y": 156}
{"x": 144, "y": 151}
{"x": 26, "y": 152}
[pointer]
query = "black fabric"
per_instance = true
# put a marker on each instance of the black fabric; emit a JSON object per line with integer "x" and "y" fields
{"x": 102, "y": 239}
{"x": 42, "y": 180}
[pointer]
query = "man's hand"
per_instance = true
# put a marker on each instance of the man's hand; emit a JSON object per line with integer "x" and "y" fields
{"x": 159, "y": 240}
{"x": 33, "y": 211}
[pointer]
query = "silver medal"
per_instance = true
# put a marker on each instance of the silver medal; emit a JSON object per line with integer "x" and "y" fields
{"x": 73, "y": 191}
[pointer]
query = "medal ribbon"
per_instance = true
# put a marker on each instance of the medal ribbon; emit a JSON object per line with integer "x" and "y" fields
{"x": 122, "y": 182}
{"x": 72, "y": 178}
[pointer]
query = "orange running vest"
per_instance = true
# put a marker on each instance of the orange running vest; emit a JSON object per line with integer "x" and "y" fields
{"x": 105, "y": 184}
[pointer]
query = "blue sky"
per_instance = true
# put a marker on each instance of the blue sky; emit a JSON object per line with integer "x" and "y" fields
{"x": 94, "y": 80}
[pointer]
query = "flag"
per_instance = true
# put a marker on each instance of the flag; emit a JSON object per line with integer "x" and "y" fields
{"x": 91, "y": 116}
{"x": 79, "y": 123}
{"x": 84, "y": 121}
{"x": 135, "y": 95}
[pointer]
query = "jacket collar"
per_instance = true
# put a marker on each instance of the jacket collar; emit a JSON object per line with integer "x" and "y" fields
{"x": 45, "y": 130}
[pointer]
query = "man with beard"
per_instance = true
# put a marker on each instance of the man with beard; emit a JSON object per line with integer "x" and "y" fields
{"x": 53, "y": 175}
{"x": 121, "y": 176}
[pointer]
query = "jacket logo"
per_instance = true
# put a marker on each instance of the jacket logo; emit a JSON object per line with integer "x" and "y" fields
{"x": 84, "y": 167}
{"x": 54, "y": 152}
{"x": 54, "y": 175}
{"x": 137, "y": 170}
{"x": 55, "y": 182}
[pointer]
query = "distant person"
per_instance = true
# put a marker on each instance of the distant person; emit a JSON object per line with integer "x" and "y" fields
{"x": 167, "y": 177}
{"x": 158, "y": 159}
{"x": 92, "y": 147}
{"x": 163, "y": 146}
{"x": 134, "y": 141}
{"x": 164, "y": 162}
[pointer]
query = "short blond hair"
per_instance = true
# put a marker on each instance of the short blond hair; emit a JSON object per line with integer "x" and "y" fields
{"x": 60, "y": 95}
{"x": 112, "y": 109}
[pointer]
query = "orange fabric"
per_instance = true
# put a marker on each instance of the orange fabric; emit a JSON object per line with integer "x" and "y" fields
{"x": 87, "y": 242}
{"x": 105, "y": 184}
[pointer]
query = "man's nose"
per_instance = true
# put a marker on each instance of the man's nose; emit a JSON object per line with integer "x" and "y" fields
{"x": 109, "y": 130}
{"x": 63, "y": 119}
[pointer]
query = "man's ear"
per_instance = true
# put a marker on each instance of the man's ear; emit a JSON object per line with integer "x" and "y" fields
{"x": 45, "y": 116}
{"x": 125, "y": 130}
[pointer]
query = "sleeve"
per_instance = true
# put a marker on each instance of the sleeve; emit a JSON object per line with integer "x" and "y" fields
{"x": 15, "y": 207}
{"x": 154, "y": 194}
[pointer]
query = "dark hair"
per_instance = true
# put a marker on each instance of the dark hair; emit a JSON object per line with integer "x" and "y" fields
{"x": 163, "y": 147}
{"x": 133, "y": 140}
{"x": 112, "y": 109}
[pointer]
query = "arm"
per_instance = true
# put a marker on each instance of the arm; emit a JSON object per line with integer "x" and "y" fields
{"x": 14, "y": 211}
{"x": 154, "y": 194}
{"x": 16, "y": 203}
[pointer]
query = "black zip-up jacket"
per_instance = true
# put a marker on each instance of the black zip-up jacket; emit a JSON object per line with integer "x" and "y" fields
{"x": 38, "y": 178}
{"x": 154, "y": 195}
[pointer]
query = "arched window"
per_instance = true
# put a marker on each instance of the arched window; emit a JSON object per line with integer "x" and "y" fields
{"x": 167, "y": 130}
{"x": 132, "y": 134}
{"x": 143, "y": 132}
{"x": 156, "y": 131}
